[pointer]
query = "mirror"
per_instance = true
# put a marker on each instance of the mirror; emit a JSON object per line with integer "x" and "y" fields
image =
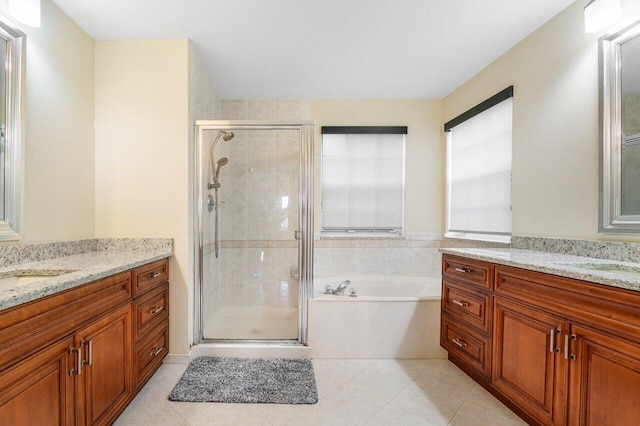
{"x": 620, "y": 131}
{"x": 12, "y": 45}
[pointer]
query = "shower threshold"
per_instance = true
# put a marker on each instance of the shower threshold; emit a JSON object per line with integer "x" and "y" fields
{"x": 290, "y": 349}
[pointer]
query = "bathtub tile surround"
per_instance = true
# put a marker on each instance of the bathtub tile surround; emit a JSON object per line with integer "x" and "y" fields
{"x": 413, "y": 255}
{"x": 371, "y": 391}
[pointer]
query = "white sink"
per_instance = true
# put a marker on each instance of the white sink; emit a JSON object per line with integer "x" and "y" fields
{"x": 627, "y": 270}
{"x": 26, "y": 276}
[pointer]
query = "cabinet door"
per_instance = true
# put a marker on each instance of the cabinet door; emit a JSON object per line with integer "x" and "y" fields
{"x": 39, "y": 390}
{"x": 526, "y": 367}
{"x": 604, "y": 379}
{"x": 105, "y": 384}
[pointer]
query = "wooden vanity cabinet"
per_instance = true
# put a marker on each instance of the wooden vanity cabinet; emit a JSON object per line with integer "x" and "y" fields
{"x": 68, "y": 359}
{"x": 526, "y": 366}
{"x": 563, "y": 351}
{"x": 465, "y": 329}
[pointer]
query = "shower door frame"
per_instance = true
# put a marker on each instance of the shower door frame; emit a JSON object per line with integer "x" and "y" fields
{"x": 304, "y": 235}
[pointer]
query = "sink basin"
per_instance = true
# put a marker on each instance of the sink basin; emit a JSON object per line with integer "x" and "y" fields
{"x": 26, "y": 276}
{"x": 627, "y": 270}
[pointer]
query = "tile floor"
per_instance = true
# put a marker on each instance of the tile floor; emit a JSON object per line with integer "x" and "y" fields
{"x": 351, "y": 392}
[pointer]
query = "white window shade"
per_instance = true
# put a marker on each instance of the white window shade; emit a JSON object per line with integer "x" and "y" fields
{"x": 479, "y": 175}
{"x": 362, "y": 182}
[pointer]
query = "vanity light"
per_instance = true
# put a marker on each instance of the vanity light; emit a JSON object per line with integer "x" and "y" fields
{"x": 599, "y": 14}
{"x": 26, "y": 11}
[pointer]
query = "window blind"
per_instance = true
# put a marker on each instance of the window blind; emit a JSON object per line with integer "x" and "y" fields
{"x": 362, "y": 180}
{"x": 479, "y": 174}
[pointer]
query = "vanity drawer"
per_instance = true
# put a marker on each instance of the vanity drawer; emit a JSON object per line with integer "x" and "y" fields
{"x": 467, "y": 345}
{"x": 149, "y": 276}
{"x": 468, "y": 271}
{"x": 150, "y": 310}
{"x": 468, "y": 305}
{"x": 150, "y": 352}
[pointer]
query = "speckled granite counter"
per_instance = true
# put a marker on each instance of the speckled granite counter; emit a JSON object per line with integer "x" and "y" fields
{"x": 558, "y": 264}
{"x": 88, "y": 259}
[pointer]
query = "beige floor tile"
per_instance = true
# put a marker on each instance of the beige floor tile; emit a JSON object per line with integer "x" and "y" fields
{"x": 159, "y": 415}
{"x": 431, "y": 403}
{"x": 393, "y": 416}
{"x": 473, "y": 415}
{"x": 351, "y": 392}
{"x": 353, "y": 405}
{"x": 481, "y": 398}
{"x": 316, "y": 416}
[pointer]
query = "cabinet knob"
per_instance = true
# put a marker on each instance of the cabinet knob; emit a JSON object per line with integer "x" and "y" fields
{"x": 463, "y": 270}
{"x": 154, "y": 275}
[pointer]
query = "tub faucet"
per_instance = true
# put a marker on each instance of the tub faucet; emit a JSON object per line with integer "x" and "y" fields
{"x": 339, "y": 291}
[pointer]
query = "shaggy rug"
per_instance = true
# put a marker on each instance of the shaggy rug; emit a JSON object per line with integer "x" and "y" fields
{"x": 276, "y": 381}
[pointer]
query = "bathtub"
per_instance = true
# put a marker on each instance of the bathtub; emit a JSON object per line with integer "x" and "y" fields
{"x": 391, "y": 317}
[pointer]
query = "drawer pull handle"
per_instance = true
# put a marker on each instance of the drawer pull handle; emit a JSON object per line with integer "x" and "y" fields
{"x": 156, "y": 309}
{"x": 463, "y": 270}
{"x": 156, "y": 351}
{"x": 552, "y": 340}
{"x": 459, "y": 303}
{"x": 459, "y": 342}
{"x": 567, "y": 346}
{"x": 154, "y": 275}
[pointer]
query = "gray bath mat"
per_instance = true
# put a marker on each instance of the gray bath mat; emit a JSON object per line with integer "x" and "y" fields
{"x": 277, "y": 381}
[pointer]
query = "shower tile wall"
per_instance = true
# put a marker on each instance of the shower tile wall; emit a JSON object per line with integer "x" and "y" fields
{"x": 258, "y": 210}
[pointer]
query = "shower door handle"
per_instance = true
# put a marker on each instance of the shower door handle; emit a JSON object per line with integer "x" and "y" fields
{"x": 298, "y": 235}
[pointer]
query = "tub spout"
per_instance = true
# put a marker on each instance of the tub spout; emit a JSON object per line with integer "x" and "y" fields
{"x": 339, "y": 291}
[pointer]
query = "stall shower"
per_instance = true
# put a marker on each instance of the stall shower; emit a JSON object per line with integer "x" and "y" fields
{"x": 254, "y": 230}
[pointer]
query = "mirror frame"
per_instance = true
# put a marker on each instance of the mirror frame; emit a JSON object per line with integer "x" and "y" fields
{"x": 10, "y": 225}
{"x": 611, "y": 219}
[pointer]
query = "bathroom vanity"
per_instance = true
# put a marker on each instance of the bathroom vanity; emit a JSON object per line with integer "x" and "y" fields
{"x": 80, "y": 354}
{"x": 559, "y": 344}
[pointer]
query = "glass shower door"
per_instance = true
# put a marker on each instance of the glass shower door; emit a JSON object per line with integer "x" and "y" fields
{"x": 249, "y": 288}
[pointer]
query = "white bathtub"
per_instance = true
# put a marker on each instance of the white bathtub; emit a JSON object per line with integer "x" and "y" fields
{"x": 392, "y": 317}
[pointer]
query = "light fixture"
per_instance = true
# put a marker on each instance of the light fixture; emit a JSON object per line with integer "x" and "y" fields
{"x": 599, "y": 14}
{"x": 26, "y": 11}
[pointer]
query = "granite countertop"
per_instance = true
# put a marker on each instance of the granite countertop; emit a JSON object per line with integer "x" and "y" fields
{"x": 86, "y": 267}
{"x": 612, "y": 272}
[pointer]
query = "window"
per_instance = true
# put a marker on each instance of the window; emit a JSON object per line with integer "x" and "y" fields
{"x": 363, "y": 180}
{"x": 479, "y": 171}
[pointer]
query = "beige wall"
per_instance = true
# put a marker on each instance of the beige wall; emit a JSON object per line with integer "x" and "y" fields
{"x": 424, "y": 151}
{"x": 555, "y": 148}
{"x": 142, "y": 157}
{"x": 59, "y": 118}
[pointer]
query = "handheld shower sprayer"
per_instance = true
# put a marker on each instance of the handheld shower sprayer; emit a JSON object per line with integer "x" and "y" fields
{"x": 221, "y": 162}
{"x": 215, "y": 171}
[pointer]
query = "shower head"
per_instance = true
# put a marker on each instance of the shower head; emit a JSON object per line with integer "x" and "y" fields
{"x": 221, "y": 162}
{"x": 226, "y": 136}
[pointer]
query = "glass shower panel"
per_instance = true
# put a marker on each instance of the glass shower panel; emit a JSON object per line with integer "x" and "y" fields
{"x": 250, "y": 290}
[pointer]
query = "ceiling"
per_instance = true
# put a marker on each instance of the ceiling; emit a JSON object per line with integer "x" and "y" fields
{"x": 327, "y": 49}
